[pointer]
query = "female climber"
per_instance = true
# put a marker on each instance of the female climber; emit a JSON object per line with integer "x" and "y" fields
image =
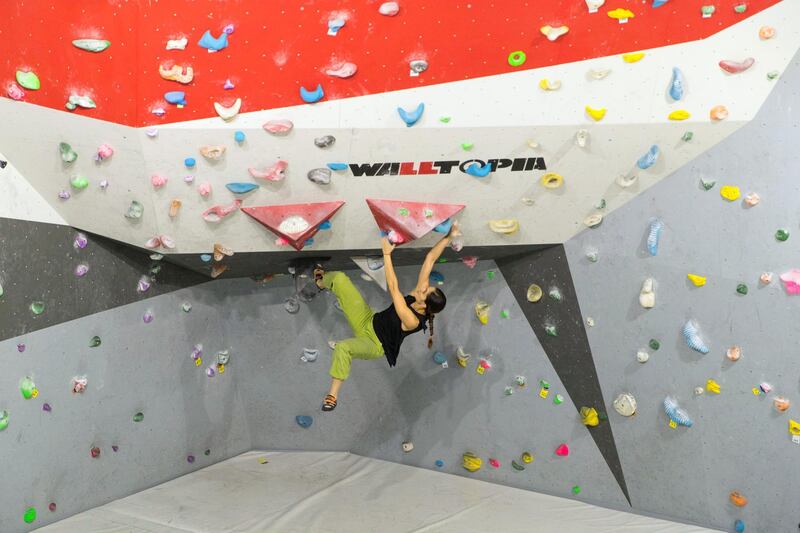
{"x": 377, "y": 334}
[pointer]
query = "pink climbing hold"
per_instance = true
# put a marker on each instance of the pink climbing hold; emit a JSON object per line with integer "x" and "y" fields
{"x": 158, "y": 181}
{"x": 470, "y": 261}
{"x": 14, "y": 91}
{"x": 495, "y": 463}
{"x": 276, "y": 172}
{"x": 218, "y": 212}
{"x": 791, "y": 281}
{"x": 410, "y": 220}
{"x": 204, "y": 189}
{"x": 103, "y": 152}
{"x": 562, "y": 450}
{"x": 735, "y": 67}
{"x": 342, "y": 70}
{"x": 160, "y": 241}
{"x": 278, "y": 127}
{"x": 295, "y": 223}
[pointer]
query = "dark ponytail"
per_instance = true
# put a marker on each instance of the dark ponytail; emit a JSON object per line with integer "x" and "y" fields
{"x": 434, "y": 303}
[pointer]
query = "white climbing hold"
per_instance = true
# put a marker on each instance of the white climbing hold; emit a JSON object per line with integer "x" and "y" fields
{"x": 342, "y": 70}
{"x": 625, "y": 404}
{"x": 389, "y": 9}
{"x": 177, "y": 44}
{"x": 582, "y": 137}
{"x": 599, "y": 74}
{"x": 647, "y": 296}
{"x": 642, "y": 356}
{"x": 626, "y": 181}
{"x": 228, "y": 113}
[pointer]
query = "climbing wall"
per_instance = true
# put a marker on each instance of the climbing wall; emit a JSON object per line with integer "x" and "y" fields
{"x": 739, "y": 440}
{"x": 132, "y": 158}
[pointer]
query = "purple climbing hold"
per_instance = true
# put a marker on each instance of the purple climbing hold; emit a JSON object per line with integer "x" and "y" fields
{"x": 190, "y": 458}
{"x": 46, "y": 407}
{"x": 20, "y": 347}
{"x": 147, "y": 317}
{"x": 81, "y": 270}
{"x": 64, "y": 194}
{"x": 80, "y": 241}
{"x": 115, "y": 448}
{"x": 143, "y": 285}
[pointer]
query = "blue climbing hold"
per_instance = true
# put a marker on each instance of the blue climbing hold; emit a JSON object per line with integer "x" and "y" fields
{"x": 337, "y": 166}
{"x": 326, "y": 224}
{"x": 206, "y": 258}
{"x": 444, "y": 227}
{"x": 676, "y": 85}
{"x": 439, "y": 358}
{"x": 479, "y": 171}
{"x": 334, "y": 25}
{"x": 649, "y": 159}
{"x": 175, "y": 97}
{"x": 210, "y": 43}
{"x": 739, "y": 526}
{"x": 411, "y": 117}
{"x": 652, "y": 237}
{"x": 189, "y": 162}
{"x": 693, "y": 339}
{"x": 675, "y": 413}
{"x": 304, "y": 421}
{"x": 659, "y": 3}
{"x": 241, "y": 188}
{"x": 310, "y": 97}
{"x": 436, "y": 277}
{"x": 439, "y": 463}
{"x": 239, "y": 137}
{"x": 309, "y": 242}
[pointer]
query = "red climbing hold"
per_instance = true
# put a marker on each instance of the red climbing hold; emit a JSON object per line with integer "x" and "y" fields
{"x": 562, "y": 450}
{"x": 408, "y": 221}
{"x": 295, "y": 223}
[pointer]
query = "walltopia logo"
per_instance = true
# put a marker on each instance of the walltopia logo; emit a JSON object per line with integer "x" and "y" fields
{"x": 444, "y": 167}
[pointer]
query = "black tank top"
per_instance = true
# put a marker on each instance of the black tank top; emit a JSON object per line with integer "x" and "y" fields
{"x": 389, "y": 329}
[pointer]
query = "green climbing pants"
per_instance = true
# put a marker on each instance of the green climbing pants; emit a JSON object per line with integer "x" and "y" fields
{"x": 365, "y": 344}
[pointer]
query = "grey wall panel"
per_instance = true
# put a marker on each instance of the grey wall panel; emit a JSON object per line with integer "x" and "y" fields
{"x": 739, "y": 442}
{"x": 138, "y": 368}
{"x": 38, "y": 261}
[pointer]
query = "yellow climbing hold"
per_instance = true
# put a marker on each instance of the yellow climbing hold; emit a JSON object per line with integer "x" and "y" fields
{"x": 730, "y": 192}
{"x": 549, "y": 85}
{"x": 471, "y": 462}
{"x": 794, "y": 427}
{"x": 552, "y": 180}
{"x": 632, "y": 57}
{"x": 589, "y": 416}
{"x": 698, "y": 281}
{"x": 596, "y": 114}
{"x": 504, "y": 226}
{"x": 482, "y": 312}
{"x": 621, "y": 14}
{"x": 713, "y": 386}
{"x": 680, "y": 114}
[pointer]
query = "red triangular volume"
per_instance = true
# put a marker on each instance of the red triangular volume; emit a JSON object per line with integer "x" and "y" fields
{"x": 410, "y": 220}
{"x": 295, "y": 223}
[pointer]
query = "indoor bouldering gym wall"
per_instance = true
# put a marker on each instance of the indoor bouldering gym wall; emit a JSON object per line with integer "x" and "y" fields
{"x": 612, "y": 187}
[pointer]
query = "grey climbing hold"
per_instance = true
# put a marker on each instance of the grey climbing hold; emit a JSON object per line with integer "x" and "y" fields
{"x": 309, "y": 355}
{"x": 324, "y": 141}
{"x": 321, "y": 176}
{"x": 418, "y": 66}
{"x": 291, "y": 305}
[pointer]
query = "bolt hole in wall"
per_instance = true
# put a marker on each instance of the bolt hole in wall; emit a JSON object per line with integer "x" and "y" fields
{"x": 149, "y": 370}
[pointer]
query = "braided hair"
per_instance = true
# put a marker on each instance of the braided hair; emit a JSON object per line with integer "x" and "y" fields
{"x": 434, "y": 303}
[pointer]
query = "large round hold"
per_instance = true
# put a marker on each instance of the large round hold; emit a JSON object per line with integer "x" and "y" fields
{"x": 321, "y": 176}
{"x": 625, "y": 404}
{"x": 534, "y": 293}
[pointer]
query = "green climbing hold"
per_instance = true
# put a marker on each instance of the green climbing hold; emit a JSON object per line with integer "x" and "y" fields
{"x": 551, "y": 330}
{"x": 37, "y": 308}
{"x": 442, "y": 260}
{"x": 504, "y": 313}
{"x": 688, "y": 136}
{"x": 654, "y": 344}
{"x": 772, "y": 75}
{"x": 403, "y": 212}
{"x": 3, "y": 420}
{"x": 94, "y": 342}
{"x": 444, "y": 120}
{"x": 601, "y": 204}
{"x": 741, "y": 8}
{"x": 30, "y": 515}
{"x": 490, "y": 275}
{"x": 27, "y": 388}
{"x": 782, "y": 235}
{"x": 516, "y": 466}
{"x": 707, "y": 184}
{"x": 558, "y": 399}
{"x": 602, "y": 416}
{"x": 28, "y": 80}
{"x": 68, "y": 155}
{"x": 707, "y": 11}
{"x": 138, "y": 417}
{"x": 467, "y": 146}
{"x": 79, "y": 182}
{"x": 741, "y": 289}
{"x": 576, "y": 489}
{"x": 91, "y": 45}
{"x": 2, "y": 292}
